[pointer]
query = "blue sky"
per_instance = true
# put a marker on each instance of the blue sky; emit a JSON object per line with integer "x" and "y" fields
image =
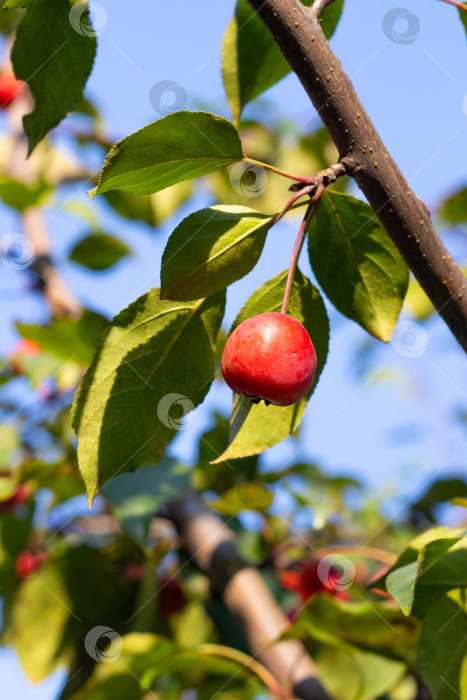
{"x": 393, "y": 427}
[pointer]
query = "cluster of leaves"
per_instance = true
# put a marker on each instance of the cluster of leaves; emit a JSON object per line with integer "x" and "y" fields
{"x": 119, "y": 567}
{"x": 118, "y": 575}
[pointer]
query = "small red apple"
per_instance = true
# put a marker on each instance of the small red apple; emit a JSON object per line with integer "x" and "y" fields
{"x": 270, "y": 357}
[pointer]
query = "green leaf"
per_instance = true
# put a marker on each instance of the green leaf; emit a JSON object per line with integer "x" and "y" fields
{"x": 131, "y": 656}
{"x": 40, "y": 612}
{"x": 153, "y": 210}
{"x": 9, "y": 444}
{"x": 325, "y": 495}
{"x": 447, "y": 573}
{"x": 210, "y": 249}
{"x": 14, "y": 4}
{"x": 21, "y": 195}
{"x": 442, "y": 651}
{"x": 177, "y": 147}
{"x": 69, "y": 339}
{"x": 136, "y": 497}
{"x": 351, "y": 674}
{"x": 414, "y": 565}
{"x": 99, "y": 251}
{"x": 257, "y": 427}
{"x": 55, "y": 59}
{"x": 357, "y": 265}
{"x": 440, "y": 491}
{"x": 417, "y": 301}
{"x": 193, "y": 626}
{"x": 463, "y": 16}
{"x": 63, "y": 480}
{"x": 454, "y": 209}
{"x": 156, "y": 357}
{"x": 369, "y": 623}
{"x": 251, "y": 60}
{"x": 135, "y": 207}
{"x": 246, "y": 496}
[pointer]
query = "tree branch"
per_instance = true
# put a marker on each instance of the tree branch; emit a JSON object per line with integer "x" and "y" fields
{"x": 212, "y": 546}
{"x": 405, "y": 217}
{"x": 60, "y": 299}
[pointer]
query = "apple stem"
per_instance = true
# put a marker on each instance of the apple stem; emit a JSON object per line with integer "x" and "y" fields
{"x": 311, "y": 210}
{"x": 298, "y": 178}
{"x": 301, "y": 193}
{"x": 460, "y": 5}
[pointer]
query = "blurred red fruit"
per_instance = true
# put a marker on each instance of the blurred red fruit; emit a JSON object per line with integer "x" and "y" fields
{"x": 171, "y": 597}
{"x": 23, "y": 348}
{"x": 27, "y": 347}
{"x": 10, "y": 88}
{"x": 19, "y": 496}
{"x": 312, "y": 579}
{"x": 28, "y": 563}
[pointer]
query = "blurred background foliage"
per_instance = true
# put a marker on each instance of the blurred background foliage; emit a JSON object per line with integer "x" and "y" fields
{"x": 65, "y": 570}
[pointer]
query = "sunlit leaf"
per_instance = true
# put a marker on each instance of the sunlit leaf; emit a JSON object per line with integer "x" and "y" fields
{"x": 55, "y": 59}
{"x": 211, "y": 249}
{"x": 357, "y": 265}
{"x": 442, "y": 651}
{"x": 251, "y": 59}
{"x": 155, "y": 361}
{"x": 177, "y": 147}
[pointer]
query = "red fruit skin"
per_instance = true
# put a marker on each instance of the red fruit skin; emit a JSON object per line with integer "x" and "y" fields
{"x": 10, "y": 88}
{"x": 19, "y": 496}
{"x": 28, "y": 563}
{"x": 306, "y": 582}
{"x": 270, "y": 357}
